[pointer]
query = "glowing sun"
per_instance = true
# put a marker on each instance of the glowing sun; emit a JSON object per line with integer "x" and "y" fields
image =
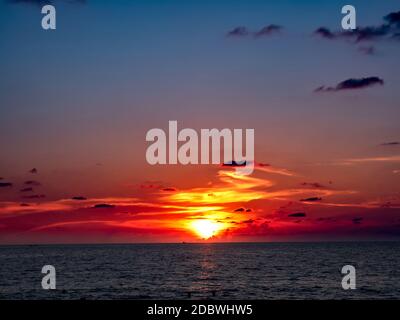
{"x": 205, "y": 228}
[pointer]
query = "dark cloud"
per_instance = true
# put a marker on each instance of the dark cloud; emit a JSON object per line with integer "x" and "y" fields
{"x": 242, "y": 31}
{"x": 248, "y": 221}
{"x": 324, "y": 89}
{"x": 297, "y": 215}
{"x": 242, "y": 210}
{"x": 366, "y": 33}
{"x": 311, "y": 199}
{"x": 170, "y": 189}
{"x": 238, "y": 32}
{"x": 35, "y": 196}
{"x": 79, "y": 198}
{"x": 325, "y": 33}
{"x": 151, "y": 185}
{"x": 268, "y": 30}
{"x": 359, "y": 83}
{"x": 357, "y": 220}
{"x": 32, "y": 183}
{"x": 358, "y": 35}
{"x": 385, "y": 30}
{"x": 24, "y": 205}
{"x": 29, "y": 189}
{"x": 352, "y": 84}
{"x": 264, "y": 165}
{"x": 234, "y": 164}
{"x": 393, "y": 18}
{"x": 34, "y": 170}
{"x": 104, "y": 205}
{"x": 5, "y": 184}
{"x": 312, "y": 184}
{"x": 394, "y": 143}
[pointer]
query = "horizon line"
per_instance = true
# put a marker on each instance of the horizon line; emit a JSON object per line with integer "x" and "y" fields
{"x": 196, "y": 243}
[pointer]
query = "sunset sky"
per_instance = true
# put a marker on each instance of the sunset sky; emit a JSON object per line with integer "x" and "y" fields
{"x": 76, "y": 104}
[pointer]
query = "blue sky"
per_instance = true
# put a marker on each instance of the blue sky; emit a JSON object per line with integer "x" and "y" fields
{"x": 89, "y": 91}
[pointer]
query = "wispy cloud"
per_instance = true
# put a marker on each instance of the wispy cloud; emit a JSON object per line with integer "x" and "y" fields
{"x": 268, "y": 30}
{"x": 272, "y": 169}
{"x": 358, "y": 35}
{"x": 312, "y": 185}
{"x": 241, "y": 31}
{"x": 32, "y": 183}
{"x": 350, "y": 161}
{"x": 35, "y": 196}
{"x": 238, "y": 32}
{"x": 393, "y": 143}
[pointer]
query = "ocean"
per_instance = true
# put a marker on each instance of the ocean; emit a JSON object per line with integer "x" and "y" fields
{"x": 202, "y": 271}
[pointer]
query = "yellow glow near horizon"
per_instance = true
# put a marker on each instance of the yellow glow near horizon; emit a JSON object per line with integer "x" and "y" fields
{"x": 205, "y": 228}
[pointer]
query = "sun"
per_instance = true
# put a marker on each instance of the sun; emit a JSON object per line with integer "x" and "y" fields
{"x": 205, "y": 228}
